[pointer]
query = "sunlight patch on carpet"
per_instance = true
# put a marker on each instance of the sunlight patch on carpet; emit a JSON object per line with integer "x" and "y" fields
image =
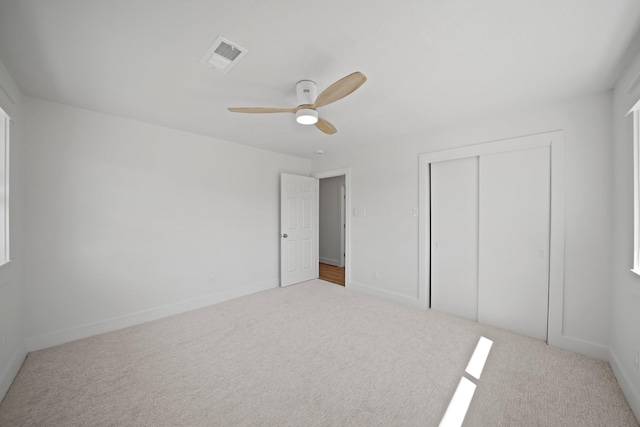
{"x": 457, "y": 409}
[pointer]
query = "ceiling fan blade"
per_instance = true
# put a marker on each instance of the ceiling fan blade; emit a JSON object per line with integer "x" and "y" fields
{"x": 325, "y": 126}
{"x": 340, "y": 89}
{"x": 261, "y": 110}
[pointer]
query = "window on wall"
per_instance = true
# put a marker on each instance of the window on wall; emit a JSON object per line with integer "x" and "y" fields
{"x": 5, "y": 125}
{"x": 636, "y": 188}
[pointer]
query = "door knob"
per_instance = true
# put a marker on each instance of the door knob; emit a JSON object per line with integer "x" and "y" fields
{"x": 284, "y": 236}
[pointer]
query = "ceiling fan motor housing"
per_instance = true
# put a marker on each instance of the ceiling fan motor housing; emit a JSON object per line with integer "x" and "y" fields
{"x": 307, "y": 92}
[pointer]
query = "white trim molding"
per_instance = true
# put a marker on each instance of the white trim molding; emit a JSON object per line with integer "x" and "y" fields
{"x": 628, "y": 386}
{"x": 60, "y": 337}
{"x": 10, "y": 372}
{"x": 384, "y": 294}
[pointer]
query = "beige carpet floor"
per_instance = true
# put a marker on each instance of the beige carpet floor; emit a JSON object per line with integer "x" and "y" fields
{"x": 314, "y": 354}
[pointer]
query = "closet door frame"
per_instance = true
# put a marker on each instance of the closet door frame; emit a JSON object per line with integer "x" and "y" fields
{"x": 553, "y": 140}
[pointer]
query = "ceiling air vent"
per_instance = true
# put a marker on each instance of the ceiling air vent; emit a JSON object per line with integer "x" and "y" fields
{"x": 223, "y": 55}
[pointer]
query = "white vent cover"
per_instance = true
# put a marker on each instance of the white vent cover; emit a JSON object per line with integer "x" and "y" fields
{"x": 223, "y": 55}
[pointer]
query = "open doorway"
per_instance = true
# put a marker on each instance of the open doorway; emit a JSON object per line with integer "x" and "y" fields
{"x": 332, "y": 229}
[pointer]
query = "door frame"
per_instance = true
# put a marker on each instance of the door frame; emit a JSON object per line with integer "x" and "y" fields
{"x": 554, "y": 140}
{"x": 347, "y": 232}
{"x": 343, "y": 222}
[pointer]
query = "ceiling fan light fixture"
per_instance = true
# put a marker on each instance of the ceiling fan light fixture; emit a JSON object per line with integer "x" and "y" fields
{"x": 309, "y": 101}
{"x": 307, "y": 116}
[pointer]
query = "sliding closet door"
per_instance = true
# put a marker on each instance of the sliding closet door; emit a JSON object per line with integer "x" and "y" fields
{"x": 454, "y": 237}
{"x": 514, "y": 241}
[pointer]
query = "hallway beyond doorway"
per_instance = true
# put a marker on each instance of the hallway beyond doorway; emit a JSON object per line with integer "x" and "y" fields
{"x": 331, "y": 273}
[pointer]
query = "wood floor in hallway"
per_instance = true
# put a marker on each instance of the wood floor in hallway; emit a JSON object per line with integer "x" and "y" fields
{"x": 331, "y": 273}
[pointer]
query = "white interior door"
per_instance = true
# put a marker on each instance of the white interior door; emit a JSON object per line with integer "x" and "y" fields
{"x": 513, "y": 290}
{"x": 298, "y": 235}
{"x": 454, "y": 238}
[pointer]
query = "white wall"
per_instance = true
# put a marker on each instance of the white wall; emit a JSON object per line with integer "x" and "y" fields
{"x": 128, "y": 222}
{"x": 625, "y": 335}
{"x": 385, "y": 183}
{"x": 330, "y": 220}
{"x": 12, "y": 347}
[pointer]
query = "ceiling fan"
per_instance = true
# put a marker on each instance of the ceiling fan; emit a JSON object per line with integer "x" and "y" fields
{"x": 308, "y": 102}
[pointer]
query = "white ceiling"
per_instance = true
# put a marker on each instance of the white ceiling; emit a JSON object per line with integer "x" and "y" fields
{"x": 428, "y": 62}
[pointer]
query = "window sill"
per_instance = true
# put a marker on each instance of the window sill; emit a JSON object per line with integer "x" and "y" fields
{"x": 634, "y": 270}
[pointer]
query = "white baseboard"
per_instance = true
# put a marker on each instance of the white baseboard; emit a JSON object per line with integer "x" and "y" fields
{"x": 329, "y": 261}
{"x": 60, "y": 337}
{"x": 381, "y": 293}
{"x": 10, "y": 372}
{"x": 629, "y": 388}
{"x": 597, "y": 351}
